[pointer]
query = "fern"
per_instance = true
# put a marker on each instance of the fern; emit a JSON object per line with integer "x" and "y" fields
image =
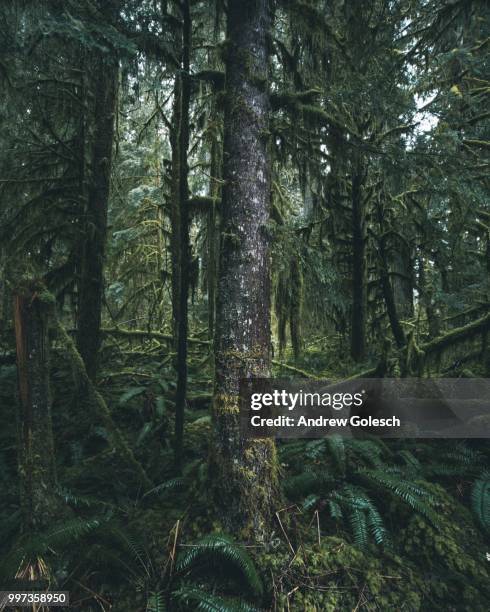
{"x": 155, "y": 603}
{"x": 133, "y": 547}
{"x": 34, "y": 546}
{"x": 169, "y": 485}
{"x": 358, "y": 523}
{"x": 369, "y": 451}
{"x": 315, "y": 449}
{"x": 292, "y": 450}
{"x": 195, "y": 599}
{"x": 413, "y": 495}
{"x": 306, "y": 483}
{"x": 335, "y": 509}
{"x": 363, "y": 515}
{"x": 336, "y": 448}
{"x": 218, "y": 549}
{"x": 480, "y": 499}
{"x": 311, "y": 501}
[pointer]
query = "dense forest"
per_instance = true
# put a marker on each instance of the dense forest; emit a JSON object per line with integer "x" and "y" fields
{"x": 194, "y": 193}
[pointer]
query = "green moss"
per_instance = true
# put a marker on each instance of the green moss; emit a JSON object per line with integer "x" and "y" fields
{"x": 424, "y": 569}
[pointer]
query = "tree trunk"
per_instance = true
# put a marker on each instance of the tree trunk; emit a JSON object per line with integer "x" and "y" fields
{"x": 358, "y": 327}
{"x": 402, "y": 279}
{"x": 212, "y": 237}
{"x": 245, "y": 470}
{"x": 32, "y": 311}
{"x": 214, "y": 193}
{"x": 181, "y": 233}
{"x": 386, "y": 285}
{"x": 103, "y": 78}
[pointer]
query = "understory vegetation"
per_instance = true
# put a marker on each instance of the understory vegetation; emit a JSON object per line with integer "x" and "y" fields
{"x": 193, "y": 193}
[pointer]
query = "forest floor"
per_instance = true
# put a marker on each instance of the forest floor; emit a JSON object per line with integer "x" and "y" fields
{"x": 363, "y": 524}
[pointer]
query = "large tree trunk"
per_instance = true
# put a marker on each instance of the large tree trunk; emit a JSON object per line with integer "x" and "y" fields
{"x": 180, "y": 231}
{"x": 32, "y": 309}
{"x": 245, "y": 470}
{"x": 103, "y": 77}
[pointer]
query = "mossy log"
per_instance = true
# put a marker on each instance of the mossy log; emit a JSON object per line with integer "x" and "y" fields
{"x": 115, "y": 436}
{"x": 299, "y": 371}
{"x": 144, "y": 334}
{"x": 456, "y": 335}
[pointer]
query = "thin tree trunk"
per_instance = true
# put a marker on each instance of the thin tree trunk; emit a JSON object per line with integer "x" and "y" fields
{"x": 212, "y": 237}
{"x": 100, "y": 136}
{"x": 175, "y": 208}
{"x": 386, "y": 286}
{"x": 183, "y": 233}
{"x": 214, "y": 192}
{"x": 358, "y": 326}
{"x": 402, "y": 283}
{"x": 32, "y": 312}
{"x": 245, "y": 470}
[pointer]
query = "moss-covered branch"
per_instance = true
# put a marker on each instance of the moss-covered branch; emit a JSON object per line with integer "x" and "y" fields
{"x": 143, "y": 334}
{"x": 116, "y": 438}
{"x": 456, "y": 335}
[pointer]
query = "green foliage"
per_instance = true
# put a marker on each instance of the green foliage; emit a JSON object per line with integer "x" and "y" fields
{"x": 156, "y": 603}
{"x": 61, "y": 538}
{"x": 218, "y": 550}
{"x": 192, "y": 598}
{"x": 480, "y": 499}
{"x": 352, "y": 479}
{"x": 381, "y": 101}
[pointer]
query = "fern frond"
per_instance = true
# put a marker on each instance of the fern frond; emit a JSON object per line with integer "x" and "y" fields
{"x": 195, "y": 599}
{"x": 69, "y": 532}
{"x": 316, "y": 448}
{"x": 310, "y": 501}
{"x": 375, "y": 523}
{"x": 291, "y": 450}
{"x": 133, "y": 547}
{"x": 369, "y": 451}
{"x": 155, "y": 602}
{"x": 362, "y": 513}
{"x": 169, "y": 485}
{"x": 335, "y": 509}
{"x": 409, "y": 459}
{"x": 480, "y": 499}
{"x": 306, "y": 483}
{"x": 62, "y": 536}
{"x": 412, "y": 494}
{"x": 219, "y": 549}
{"x": 336, "y": 448}
{"x": 358, "y": 523}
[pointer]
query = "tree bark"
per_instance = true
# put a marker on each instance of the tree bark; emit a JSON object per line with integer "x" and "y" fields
{"x": 358, "y": 326}
{"x": 386, "y": 285}
{"x": 100, "y": 135}
{"x": 212, "y": 237}
{"x": 245, "y": 470}
{"x": 214, "y": 193}
{"x": 181, "y": 234}
{"x": 32, "y": 311}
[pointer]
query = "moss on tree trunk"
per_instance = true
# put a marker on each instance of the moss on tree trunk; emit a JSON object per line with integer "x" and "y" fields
{"x": 32, "y": 311}
{"x": 102, "y": 77}
{"x": 246, "y": 471}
